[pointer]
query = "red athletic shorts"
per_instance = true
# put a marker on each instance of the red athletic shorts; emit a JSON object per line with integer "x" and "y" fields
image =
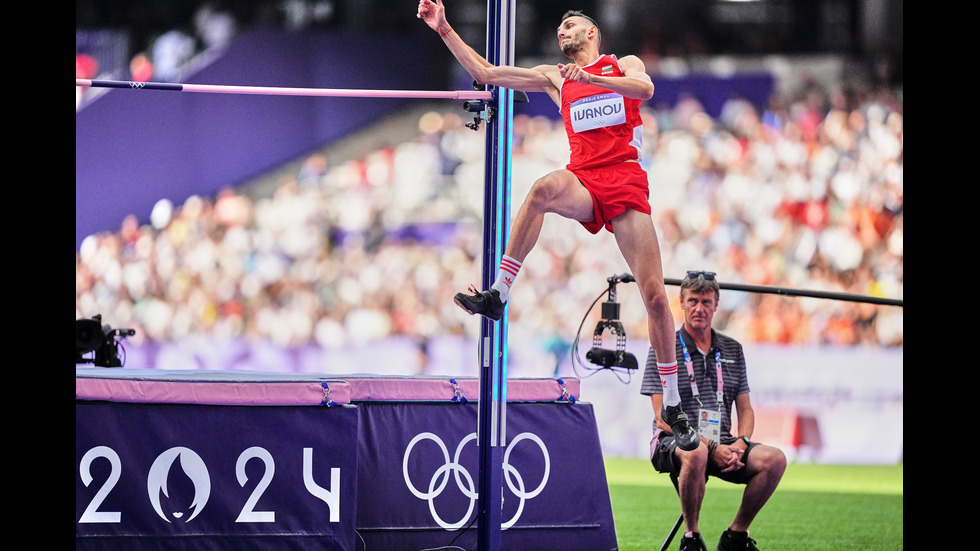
{"x": 615, "y": 189}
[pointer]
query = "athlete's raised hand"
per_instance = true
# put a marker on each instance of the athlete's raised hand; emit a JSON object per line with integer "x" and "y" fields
{"x": 434, "y": 14}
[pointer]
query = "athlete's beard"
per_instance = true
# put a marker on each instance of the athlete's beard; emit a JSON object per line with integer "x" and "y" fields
{"x": 572, "y": 47}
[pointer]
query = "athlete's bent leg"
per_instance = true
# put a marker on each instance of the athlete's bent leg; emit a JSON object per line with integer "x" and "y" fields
{"x": 558, "y": 192}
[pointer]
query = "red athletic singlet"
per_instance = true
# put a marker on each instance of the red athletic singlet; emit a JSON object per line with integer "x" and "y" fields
{"x": 605, "y": 135}
{"x": 603, "y": 127}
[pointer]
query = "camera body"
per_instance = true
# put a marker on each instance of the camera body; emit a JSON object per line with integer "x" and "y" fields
{"x": 103, "y": 340}
{"x": 611, "y": 358}
{"x": 610, "y": 320}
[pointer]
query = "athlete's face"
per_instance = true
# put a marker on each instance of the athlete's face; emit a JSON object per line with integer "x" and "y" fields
{"x": 573, "y": 34}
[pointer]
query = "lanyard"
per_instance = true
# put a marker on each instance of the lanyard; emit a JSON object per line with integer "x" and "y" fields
{"x": 689, "y": 364}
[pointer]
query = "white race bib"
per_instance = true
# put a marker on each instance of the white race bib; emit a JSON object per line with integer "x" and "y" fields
{"x": 597, "y": 112}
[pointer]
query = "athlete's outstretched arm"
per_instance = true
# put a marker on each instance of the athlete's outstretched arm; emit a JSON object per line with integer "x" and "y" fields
{"x": 538, "y": 79}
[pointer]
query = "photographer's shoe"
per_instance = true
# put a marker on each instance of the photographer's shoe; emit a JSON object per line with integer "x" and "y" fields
{"x": 485, "y": 303}
{"x": 731, "y": 540}
{"x": 693, "y": 543}
{"x": 685, "y": 436}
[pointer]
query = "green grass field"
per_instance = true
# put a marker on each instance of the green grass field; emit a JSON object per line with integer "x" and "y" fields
{"x": 815, "y": 508}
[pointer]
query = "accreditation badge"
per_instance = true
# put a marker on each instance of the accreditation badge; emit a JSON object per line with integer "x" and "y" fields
{"x": 709, "y": 425}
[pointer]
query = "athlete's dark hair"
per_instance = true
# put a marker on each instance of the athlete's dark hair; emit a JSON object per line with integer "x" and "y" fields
{"x": 577, "y": 13}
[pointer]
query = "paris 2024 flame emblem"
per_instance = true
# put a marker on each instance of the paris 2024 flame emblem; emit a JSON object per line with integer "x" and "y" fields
{"x": 175, "y": 498}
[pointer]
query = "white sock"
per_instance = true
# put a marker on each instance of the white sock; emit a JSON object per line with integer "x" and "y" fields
{"x": 668, "y": 378}
{"x": 506, "y": 275}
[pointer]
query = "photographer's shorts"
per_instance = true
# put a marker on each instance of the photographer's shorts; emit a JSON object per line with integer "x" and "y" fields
{"x": 664, "y": 461}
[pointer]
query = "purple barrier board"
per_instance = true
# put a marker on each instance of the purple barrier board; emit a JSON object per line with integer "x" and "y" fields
{"x": 419, "y": 469}
{"x": 189, "y": 476}
{"x": 240, "y": 460}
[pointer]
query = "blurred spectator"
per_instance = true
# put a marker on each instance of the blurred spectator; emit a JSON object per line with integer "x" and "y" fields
{"x": 170, "y": 51}
{"x": 86, "y": 67}
{"x": 140, "y": 68}
{"x": 214, "y": 25}
{"x": 314, "y": 168}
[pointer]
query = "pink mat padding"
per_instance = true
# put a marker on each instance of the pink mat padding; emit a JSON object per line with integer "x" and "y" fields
{"x": 267, "y": 389}
{"x": 426, "y": 389}
{"x": 211, "y": 393}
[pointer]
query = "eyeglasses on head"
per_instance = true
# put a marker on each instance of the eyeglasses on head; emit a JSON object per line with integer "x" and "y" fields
{"x": 694, "y": 274}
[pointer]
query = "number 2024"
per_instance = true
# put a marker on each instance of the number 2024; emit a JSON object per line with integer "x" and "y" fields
{"x": 92, "y": 514}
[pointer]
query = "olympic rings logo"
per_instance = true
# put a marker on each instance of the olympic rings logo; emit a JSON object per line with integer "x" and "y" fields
{"x": 465, "y": 483}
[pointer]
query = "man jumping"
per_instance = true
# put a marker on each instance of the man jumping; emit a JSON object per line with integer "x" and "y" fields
{"x": 603, "y": 185}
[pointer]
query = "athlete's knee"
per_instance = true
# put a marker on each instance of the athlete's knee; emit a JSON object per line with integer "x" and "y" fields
{"x": 544, "y": 192}
{"x": 655, "y": 297}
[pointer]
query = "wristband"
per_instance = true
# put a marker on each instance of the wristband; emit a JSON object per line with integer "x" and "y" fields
{"x": 447, "y": 32}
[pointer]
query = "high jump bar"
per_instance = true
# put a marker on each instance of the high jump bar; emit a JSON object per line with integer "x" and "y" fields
{"x": 280, "y": 91}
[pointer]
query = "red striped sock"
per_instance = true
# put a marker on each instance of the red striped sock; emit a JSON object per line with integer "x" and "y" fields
{"x": 506, "y": 276}
{"x": 668, "y": 378}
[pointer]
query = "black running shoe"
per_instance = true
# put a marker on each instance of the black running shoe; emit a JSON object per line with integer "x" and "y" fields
{"x": 685, "y": 436}
{"x": 485, "y": 303}
{"x": 731, "y": 540}
{"x": 693, "y": 543}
